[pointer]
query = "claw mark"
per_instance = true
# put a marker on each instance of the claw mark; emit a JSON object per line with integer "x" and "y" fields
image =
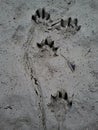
{"x": 38, "y": 13}
{"x": 51, "y": 44}
{"x": 43, "y": 13}
{"x": 39, "y": 45}
{"x": 65, "y": 96}
{"x": 69, "y": 21}
{"x": 62, "y": 23}
{"x": 70, "y": 103}
{"x": 60, "y": 94}
{"x": 47, "y": 16}
{"x": 53, "y": 97}
{"x": 55, "y": 49}
{"x": 76, "y": 22}
{"x": 34, "y": 18}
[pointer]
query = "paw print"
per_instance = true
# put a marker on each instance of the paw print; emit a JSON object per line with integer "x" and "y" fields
{"x": 41, "y": 16}
{"x": 60, "y": 104}
{"x": 48, "y": 44}
{"x": 70, "y": 25}
{"x": 61, "y": 95}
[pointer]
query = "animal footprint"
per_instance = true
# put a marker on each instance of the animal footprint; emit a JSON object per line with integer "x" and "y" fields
{"x": 61, "y": 95}
{"x": 41, "y": 16}
{"x": 60, "y": 104}
{"x": 48, "y": 44}
{"x": 69, "y": 25}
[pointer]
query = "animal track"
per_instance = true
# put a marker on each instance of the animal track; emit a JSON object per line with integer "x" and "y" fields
{"x": 69, "y": 25}
{"x": 48, "y": 42}
{"x": 61, "y": 95}
{"x": 60, "y": 104}
{"x": 41, "y": 16}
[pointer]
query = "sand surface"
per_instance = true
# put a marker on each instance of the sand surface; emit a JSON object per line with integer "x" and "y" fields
{"x": 48, "y": 68}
